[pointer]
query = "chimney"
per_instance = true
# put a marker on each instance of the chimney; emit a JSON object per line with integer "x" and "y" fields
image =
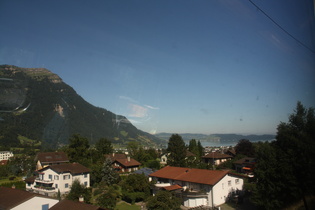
{"x": 81, "y": 199}
{"x": 128, "y": 158}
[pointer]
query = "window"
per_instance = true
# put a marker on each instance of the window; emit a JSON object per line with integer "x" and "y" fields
{"x": 56, "y": 185}
{"x": 85, "y": 175}
{"x": 237, "y": 181}
{"x": 65, "y": 177}
{"x": 85, "y": 184}
{"x": 50, "y": 176}
{"x": 45, "y": 206}
{"x": 56, "y": 177}
{"x": 229, "y": 183}
{"x": 66, "y": 185}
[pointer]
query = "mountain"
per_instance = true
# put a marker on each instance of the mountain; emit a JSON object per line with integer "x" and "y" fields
{"x": 37, "y": 104}
{"x": 223, "y": 138}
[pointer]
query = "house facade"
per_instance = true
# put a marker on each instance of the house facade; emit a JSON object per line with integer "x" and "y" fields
{"x": 198, "y": 187}
{"x": 216, "y": 158}
{"x": 5, "y": 155}
{"x": 123, "y": 163}
{"x": 58, "y": 177}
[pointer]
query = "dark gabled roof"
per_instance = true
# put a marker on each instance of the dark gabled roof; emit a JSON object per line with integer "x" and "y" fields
{"x": 128, "y": 163}
{"x": 52, "y": 157}
{"x": 245, "y": 160}
{"x": 73, "y": 168}
{"x": 115, "y": 156}
{"x": 216, "y": 155}
{"x": 201, "y": 176}
{"x": 9, "y": 198}
{"x": 68, "y": 205}
{"x": 30, "y": 179}
{"x": 190, "y": 154}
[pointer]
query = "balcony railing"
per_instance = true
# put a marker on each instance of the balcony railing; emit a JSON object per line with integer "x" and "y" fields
{"x": 44, "y": 181}
{"x": 42, "y": 188}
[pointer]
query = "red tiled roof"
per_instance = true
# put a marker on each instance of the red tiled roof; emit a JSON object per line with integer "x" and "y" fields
{"x": 52, "y": 157}
{"x": 73, "y": 168}
{"x": 202, "y": 176}
{"x": 67, "y": 205}
{"x": 127, "y": 163}
{"x": 10, "y": 198}
{"x": 3, "y": 162}
{"x": 217, "y": 155}
{"x": 172, "y": 187}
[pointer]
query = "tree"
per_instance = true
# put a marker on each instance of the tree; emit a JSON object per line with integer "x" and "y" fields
{"x": 78, "y": 190}
{"x": 109, "y": 175}
{"x": 104, "y": 146}
{"x": 107, "y": 196}
{"x": 245, "y": 147}
{"x": 135, "y": 187}
{"x": 78, "y": 149}
{"x": 164, "y": 200}
{"x": 286, "y": 167}
{"x": 177, "y": 149}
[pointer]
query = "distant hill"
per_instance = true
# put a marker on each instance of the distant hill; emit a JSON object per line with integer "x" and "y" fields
{"x": 37, "y": 104}
{"x": 224, "y": 138}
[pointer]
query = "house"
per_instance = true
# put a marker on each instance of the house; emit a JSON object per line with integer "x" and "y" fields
{"x": 67, "y": 205}
{"x": 44, "y": 159}
{"x": 189, "y": 156}
{"x": 5, "y": 155}
{"x": 216, "y": 158}
{"x": 123, "y": 163}
{"x": 58, "y": 177}
{"x": 17, "y": 199}
{"x": 231, "y": 152}
{"x": 245, "y": 165}
{"x": 198, "y": 187}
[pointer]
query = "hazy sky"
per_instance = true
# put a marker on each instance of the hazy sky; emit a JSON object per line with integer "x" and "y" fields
{"x": 214, "y": 66}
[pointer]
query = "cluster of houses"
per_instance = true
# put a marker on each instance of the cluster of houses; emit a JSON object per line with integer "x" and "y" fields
{"x": 196, "y": 187}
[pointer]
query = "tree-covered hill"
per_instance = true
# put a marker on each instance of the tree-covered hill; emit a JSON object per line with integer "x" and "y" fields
{"x": 37, "y": 104}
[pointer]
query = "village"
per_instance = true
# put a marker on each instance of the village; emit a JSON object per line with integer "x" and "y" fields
{"x": 207, "y": 180}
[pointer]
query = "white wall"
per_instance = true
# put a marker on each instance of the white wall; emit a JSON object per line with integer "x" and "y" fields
{"x": 222, "y": 189}
{"x": 36, "y": 203}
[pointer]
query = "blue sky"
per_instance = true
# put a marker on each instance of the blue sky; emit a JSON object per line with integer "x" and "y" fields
{"x": 172, "y": 66}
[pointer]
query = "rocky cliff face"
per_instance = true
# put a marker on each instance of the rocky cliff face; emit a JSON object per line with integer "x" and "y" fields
{"x": 36, "y": 103}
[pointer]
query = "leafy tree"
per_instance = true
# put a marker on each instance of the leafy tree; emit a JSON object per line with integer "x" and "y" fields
{"x": 136, "y": 187}
{"x": 285, "y": 169}
{"x": 164, "y": 200}
{"x": 177, "y": 149}
{"x": 107, "y": 196}
{"x": 200, "y": 149}
{"x": 108, "y": 173}
{"x": 78, "y": 149}
{"x": 245, "y": 147}
{"x": 104, "y": 146}
{"x": 193, "y": 147}
{"x": 77, "y": 190}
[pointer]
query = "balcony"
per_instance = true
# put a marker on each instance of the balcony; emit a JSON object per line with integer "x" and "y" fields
{"x": 194, "y": 193}
{"x": 44, "y": 181}
{"x": 162, "y": 184}
{"x": 44, "y": 188}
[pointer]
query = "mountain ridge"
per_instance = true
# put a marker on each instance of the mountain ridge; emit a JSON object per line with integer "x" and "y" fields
{"x": 36, "y": 103}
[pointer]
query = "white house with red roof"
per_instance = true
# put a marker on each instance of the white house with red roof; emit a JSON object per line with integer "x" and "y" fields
{"x": 58, "y": 177}
{"x": 123, "y": 163}
{"x": 198, "y": 187}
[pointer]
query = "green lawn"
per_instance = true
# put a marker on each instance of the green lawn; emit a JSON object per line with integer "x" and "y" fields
{"x": 125, "y": 206}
